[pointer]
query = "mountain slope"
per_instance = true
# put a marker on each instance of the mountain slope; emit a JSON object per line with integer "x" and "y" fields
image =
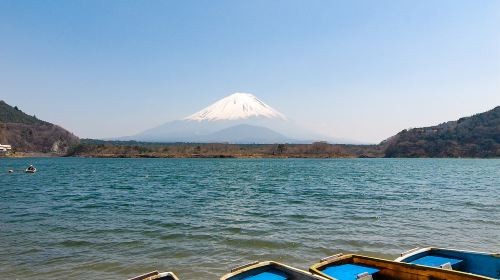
{"x": 244, "y": 134}
{"x": 28, "y": 134}
{"x": 475, "y": 136}
{"x": 209, "y": 132}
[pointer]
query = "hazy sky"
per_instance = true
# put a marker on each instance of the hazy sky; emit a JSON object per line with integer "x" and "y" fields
{"x": 354, "y": 69}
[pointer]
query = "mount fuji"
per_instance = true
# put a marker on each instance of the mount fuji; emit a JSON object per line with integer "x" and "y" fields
{"x": 237, "y": 106}
{"x": 239, "y": 118}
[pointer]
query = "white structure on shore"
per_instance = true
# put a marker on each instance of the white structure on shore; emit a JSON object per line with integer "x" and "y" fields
{"x": 5, "y": 148}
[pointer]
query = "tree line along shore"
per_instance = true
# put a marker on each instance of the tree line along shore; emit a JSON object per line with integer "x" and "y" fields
{"x": 92, "y": 148}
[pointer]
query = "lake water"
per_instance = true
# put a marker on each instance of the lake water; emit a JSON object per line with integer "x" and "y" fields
{"x": 115, "y": 218}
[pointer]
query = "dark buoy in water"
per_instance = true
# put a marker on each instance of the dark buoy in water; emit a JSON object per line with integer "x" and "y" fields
{"x": 30, "y": 169}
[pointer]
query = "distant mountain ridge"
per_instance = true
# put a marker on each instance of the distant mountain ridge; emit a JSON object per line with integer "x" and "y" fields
{"x": 475, "y": 136}
{"x": 29, "y": 134}
{"x": 245, "y": 133}
{"x": 240, "y": 118}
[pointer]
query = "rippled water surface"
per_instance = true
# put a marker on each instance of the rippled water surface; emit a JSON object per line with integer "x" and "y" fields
{"x": 115, "y": 218}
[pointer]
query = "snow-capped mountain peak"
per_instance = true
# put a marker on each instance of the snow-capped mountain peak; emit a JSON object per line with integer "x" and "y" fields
{"x": 236, "y": 106}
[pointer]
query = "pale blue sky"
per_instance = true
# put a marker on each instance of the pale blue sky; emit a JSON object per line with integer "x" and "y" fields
{"x": 354, "y": 69}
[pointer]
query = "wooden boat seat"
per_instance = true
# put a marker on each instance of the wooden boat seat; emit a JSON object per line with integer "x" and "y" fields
{"x": 272, "y": 274}
{"x": 348, "y": 271}
{"x": 436, "y": 261}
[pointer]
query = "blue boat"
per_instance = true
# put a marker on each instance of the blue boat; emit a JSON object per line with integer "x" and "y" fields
{"x": 485, "y": 264}
{"x": 356, "y": 267}
{"x": 269, "y": 270}
{"x": 155, "y": 275}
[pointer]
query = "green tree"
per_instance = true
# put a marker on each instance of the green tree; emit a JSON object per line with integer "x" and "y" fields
{"x": 281, "y": 148}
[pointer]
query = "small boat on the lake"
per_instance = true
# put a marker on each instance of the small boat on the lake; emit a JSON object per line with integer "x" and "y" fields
{"x": 486, "y": 264}
{"x": 269, "y": 270}
{"x": 356, "y": 267}
{"x": 30, "y": 169}
{"x": 155, "y": 275}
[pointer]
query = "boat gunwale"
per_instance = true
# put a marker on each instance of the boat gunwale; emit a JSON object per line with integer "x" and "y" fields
{"x": 260, "y": 264}
{"x": 317, "y": 267}
{"x": 411, "y": 253}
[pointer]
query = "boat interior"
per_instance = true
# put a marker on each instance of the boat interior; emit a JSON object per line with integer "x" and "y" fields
{"x": 269, "y": 271}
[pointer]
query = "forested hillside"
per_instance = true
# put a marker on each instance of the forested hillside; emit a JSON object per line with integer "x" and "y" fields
{"x": 475, "y": 136}
{"x": 28, "y": 134}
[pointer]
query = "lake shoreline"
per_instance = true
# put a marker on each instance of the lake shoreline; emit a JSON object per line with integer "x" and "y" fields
{"x": 215, "y": 156}
{"x": 39, "y": 155}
